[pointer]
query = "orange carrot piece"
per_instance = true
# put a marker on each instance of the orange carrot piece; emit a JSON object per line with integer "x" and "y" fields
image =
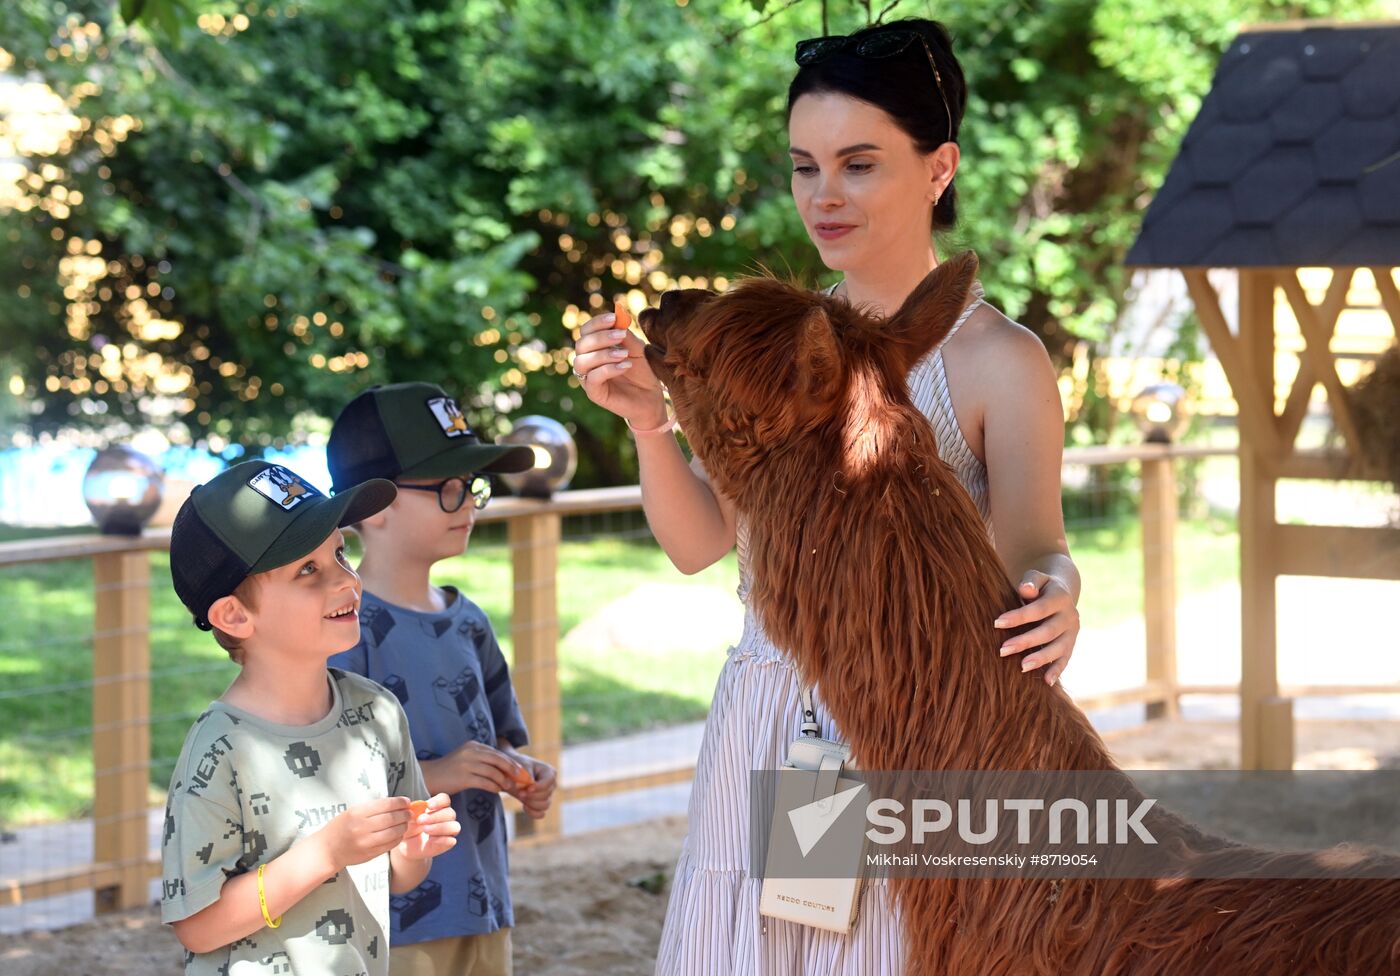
{"x": 416, "y": 808}
{"x": 622, "y": 316}
{"x": 523, "y": 777}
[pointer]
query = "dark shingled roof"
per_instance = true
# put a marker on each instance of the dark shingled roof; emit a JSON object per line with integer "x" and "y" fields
{"x": 1293, "y": 160}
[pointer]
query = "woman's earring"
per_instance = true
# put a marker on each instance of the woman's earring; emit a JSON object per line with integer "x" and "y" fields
{"x": 936, "y": 198}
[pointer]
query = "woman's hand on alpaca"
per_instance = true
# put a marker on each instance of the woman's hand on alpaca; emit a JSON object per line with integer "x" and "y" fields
{"x": 615, "y": 374}
{"x": 471, "y": 766}
{"x": 1051, "y": 607}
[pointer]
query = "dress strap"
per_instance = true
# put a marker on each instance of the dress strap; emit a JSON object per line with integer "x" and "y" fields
{"x": 978, "y": 298}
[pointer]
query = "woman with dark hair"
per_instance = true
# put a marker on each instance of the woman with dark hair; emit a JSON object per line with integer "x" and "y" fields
{"x": 873, "y": 123}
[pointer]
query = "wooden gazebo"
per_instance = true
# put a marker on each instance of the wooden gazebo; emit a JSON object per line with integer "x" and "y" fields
{"x": 1292, "y": 163}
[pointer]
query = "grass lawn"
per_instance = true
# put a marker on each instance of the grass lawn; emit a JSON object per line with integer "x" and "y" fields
{"x": 45, "y": 647}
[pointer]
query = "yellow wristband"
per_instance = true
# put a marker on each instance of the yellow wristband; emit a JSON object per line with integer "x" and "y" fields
{"x": 272, "y": 923}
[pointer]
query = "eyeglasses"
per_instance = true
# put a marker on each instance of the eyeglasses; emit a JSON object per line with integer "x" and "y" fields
{"x": 452, "y": 493}
{"x": 874, "y": 47}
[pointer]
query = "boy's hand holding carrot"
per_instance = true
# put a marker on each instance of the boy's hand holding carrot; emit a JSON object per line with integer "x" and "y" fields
{"x": 471, "y": 766}
{"x": 363, "y": 832}
{"x": 432, "y": 828}
{"x": 534, "y": 783}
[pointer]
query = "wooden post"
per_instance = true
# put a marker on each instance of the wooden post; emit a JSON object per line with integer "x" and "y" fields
{"x": 1159, "y": 580}
{"x": 1258, "y": 592}
{"x": 1276, "y": 734}
{"x": 534, "y": 627}
{"x": 121, "y": 738}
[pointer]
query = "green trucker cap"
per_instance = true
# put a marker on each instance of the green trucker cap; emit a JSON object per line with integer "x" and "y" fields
{"x": 253, "y": 517}
{"x": 412, "y": 430}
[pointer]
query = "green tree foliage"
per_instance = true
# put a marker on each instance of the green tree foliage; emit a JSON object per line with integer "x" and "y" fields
{"x": 263, "y": 207}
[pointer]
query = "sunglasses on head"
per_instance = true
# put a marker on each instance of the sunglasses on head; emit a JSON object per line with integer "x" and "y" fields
{"x": 873, "y": 47}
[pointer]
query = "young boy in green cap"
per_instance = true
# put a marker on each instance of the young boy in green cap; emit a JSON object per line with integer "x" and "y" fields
{"x": 296, "y": 806}
{"x": 435, "y": 650}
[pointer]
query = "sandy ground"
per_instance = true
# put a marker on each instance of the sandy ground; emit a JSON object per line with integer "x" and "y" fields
{"x": 582, "y": 906}
{"x": 594, "y": 903}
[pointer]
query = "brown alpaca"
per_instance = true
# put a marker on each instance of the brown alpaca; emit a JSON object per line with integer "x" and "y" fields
{"x": 870, "y": 563}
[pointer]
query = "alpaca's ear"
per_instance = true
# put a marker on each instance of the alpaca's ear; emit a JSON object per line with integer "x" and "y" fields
{"x": 818, "y": 357}
{"x": 928, "y": 314}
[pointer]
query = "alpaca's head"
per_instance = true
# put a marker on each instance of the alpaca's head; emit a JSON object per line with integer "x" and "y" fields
{"x": 754, "y": 370}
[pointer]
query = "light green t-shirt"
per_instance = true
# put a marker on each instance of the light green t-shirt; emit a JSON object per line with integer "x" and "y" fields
{"x": 245, "y": 790}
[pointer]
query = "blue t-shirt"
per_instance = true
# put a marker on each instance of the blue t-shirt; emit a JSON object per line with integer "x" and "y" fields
{"x": 447, "y": 671}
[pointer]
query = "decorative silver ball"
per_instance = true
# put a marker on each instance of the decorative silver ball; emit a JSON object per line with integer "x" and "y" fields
{"x": 122, "y": 488}
{"x": 556, "y": 457}
{"x": 1160, "y": 412}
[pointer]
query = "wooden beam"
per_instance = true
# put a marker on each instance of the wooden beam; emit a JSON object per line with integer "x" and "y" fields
{"x": 1256, "y": 413}
{"x": 1257, "y": 520}
{"x": 1322, "y": 465}
{"x": 586, "y": 501}
{"x": 1317, "y": 351}
{"x": 1149, "y": 693}
{"x": 1390, "y": 297}
{"x": 121, "y": 721}
{"x": 79, "y": 877}
{"x": 87, "y": 546}
{"x": 1296, "y": 409}
{"x": 1158, "y": 515}
{"x": 1338, "y": 551}
{"x": 534, "y": 629}
{"x": 1276, "y": 737}
{"x": 681, "y": 773}
{"x": 1104, "y": 454}
{"x": 1297, "y": 691}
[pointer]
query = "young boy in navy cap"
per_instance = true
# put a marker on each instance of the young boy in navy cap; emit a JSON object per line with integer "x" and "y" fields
{"x": 296, "y": 806}
{"x": 435, "y": 650}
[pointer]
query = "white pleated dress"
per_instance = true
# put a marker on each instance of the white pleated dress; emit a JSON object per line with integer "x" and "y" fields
{"x": 712, "y": 923}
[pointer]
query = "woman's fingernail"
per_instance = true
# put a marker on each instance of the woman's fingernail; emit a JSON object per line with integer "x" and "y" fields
{"x": 617, "y": 353}
{"x": 616, "y": 334}
{"x": 624, "y": 365}
{"x": 1006, "y": 649}
{"x": 1027, "y": 664}
{"x": 999, "y": 622}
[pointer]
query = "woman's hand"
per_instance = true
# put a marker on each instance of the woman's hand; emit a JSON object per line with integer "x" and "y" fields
{"x": 615, "y": 375}
{"x": 1052, "y": 605}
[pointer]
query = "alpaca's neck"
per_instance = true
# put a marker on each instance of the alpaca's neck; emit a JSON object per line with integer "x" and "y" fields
{"x": 872, "y": 566}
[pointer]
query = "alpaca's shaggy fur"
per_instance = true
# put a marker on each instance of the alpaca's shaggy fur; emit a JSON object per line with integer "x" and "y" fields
{"x": 871, "y": 565}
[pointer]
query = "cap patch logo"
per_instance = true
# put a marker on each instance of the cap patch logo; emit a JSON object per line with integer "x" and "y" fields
{"x": 449, "y": 417}
{"x": 282, "y": 487}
